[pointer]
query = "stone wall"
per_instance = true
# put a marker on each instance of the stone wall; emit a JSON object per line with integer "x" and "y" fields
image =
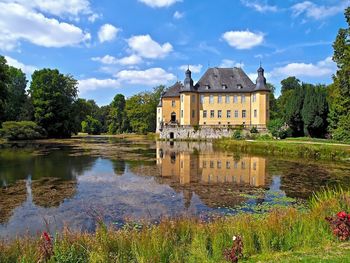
{"x": 189, "y": 133}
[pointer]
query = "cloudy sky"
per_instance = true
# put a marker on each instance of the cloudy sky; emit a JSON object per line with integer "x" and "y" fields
{"x": 128, "y": 46}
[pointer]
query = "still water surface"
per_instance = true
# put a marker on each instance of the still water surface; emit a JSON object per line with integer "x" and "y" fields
{"x": 49, "y": 186}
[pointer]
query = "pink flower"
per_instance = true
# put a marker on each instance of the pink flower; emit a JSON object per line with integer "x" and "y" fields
{"x": 341, "y": 214}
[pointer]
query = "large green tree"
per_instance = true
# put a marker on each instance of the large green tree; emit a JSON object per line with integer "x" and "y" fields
{"x": 53, "y": 95}
{"x": 293, "y": 115}
{"x": 16, "y": 94}
{"x": 339, "y": 116}
{"x": 117, "y": 118}
{"x": 3, "y": 87}
{"x": 315, "y": 110}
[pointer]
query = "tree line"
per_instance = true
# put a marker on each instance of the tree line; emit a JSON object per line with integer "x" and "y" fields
{"x": 50, "y": 107}
{"x": 316, "y": 110}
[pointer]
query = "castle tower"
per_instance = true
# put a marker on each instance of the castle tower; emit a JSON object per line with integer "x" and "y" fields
{"x": 189, "y": 114}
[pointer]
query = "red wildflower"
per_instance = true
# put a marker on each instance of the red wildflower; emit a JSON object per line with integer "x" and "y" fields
{"x": 47, "y": 237}
{"x": 341, "y": 214}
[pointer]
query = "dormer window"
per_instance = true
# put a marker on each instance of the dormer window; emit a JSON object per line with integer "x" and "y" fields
{"x": 207, "y": 87}
{"x": 224, "y": 86}
{"x": 239, "y": 86}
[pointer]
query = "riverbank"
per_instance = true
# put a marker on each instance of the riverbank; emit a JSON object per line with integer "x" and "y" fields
{"x": 286, "y": 232}
{"x": 287, "y": 148}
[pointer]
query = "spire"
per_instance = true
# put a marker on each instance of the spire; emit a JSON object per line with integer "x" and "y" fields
{"x": 261, "y": 80}
{"x": 188, "y": 82}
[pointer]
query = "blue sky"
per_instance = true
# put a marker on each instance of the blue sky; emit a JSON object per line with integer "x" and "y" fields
{"x": 128, "y": 46}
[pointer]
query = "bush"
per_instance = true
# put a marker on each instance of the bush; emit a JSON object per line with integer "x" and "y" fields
{"x": 278, "y": 129}
{"x": 91, "y": 126}
{"x": 254, "y": 129}
{"x": 22, "y": 130}
{"x": 237, "y": 135}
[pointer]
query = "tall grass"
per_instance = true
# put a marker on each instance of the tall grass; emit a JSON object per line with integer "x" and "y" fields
{"x": 287, "y": 149}
{"x": 189, "y": 240}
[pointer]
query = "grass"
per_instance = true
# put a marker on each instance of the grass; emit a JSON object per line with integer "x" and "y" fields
{"x": 317, "y": 151}
{"x": 282, "y": 234}
{"x": 317, "y": 140}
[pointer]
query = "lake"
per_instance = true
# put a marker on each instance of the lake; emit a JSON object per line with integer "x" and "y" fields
{"x": 48, "y": 185}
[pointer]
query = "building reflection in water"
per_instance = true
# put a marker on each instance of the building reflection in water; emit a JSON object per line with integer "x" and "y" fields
{"x": 198, "y": 162}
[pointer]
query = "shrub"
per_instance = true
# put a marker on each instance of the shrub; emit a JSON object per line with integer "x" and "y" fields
{"x": 340, "y": 225}
{"x": 278, "y": 129}
{"x": 91, "y": 126}
{"x": 237, "y": 135}
{"x": 254, "y": 129}
{"x": 22, "y": 130}
{"x": 196, "y": 128}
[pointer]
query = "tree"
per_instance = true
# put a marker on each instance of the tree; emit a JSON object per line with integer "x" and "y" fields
{"x": 339, "y": 116}
{"x": 91, "y": 126}
{"x": 81, "y": 109}
{"x": 16, "y": 94}
{"x": 274, "y": 113}
{"x": 293, "y": 108}
{"x": 3, "y": 87}
{"x": 315, "y": 110}
{"x": 290, "y": 83}
{"x": 53, "y": 95}
{"x": 117, "y": 117}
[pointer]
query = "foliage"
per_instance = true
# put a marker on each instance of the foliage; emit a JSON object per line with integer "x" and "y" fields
{"x": 293, "y": 116}
{"x": 340, "y": 225}
{"x": 53, "y": 95}
{"x": 117, "y": 118}
{"x": 254, "y": 129}
{"x": 23, "y": 130}
{"x": 237, "y": 135}
{"x": 277, "y": 128}
{"x": 340, "y": 89}
{"x": 273, "y": 107}
{"x": 91, "y": 125}
{"x": 315, "y": 110}
{"x": 82, "y": 108}
{"x": 3, "y": 87}
{"x": 189, "y": 240}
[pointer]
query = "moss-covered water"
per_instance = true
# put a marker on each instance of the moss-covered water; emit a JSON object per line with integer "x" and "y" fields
{"x": 52, "y": 184}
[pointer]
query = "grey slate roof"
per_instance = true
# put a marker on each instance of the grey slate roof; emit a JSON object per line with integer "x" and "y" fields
{"x": 215, "y": 78}
{"x": 173, "y": 91}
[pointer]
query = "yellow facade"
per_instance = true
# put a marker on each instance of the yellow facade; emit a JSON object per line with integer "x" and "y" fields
{"x": 209, "y": 167}
{"x": 189, "y": 108}
{"x": 169, "y": 107}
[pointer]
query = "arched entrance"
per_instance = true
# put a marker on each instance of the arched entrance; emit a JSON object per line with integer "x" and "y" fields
{"x": 171, "y": 135}
{"x": 173, "y": 117}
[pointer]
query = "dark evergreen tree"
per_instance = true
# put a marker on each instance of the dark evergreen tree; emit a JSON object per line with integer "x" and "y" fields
{"x": 117, "y": 119}
{"x": 3, "y": 87}
{"x": 293, "y": 115}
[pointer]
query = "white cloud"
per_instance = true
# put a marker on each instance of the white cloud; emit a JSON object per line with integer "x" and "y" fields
{"x": 322, "y": 68}
{"x": 178, "y": 15}
{"x": 260, "y": 6}
{"x": 94, "y": 84}
{"x": 28, "y": 69}
{"x": 243, "y": 39}
{"x": 110, "y": 60}
{"x": 57, "y": 7}
{"x": 318, "y": 12}
{"x": 145, "y": 46}
{"x": 228, "y": 63}
{"x": 20, "y": 23}
{"x": 193, "y": 68}
{"x": 159, "y": 3}
{"x": 148, "y": 77}
{"x": 93, "y": 17}
{"x": 107, "y": 32}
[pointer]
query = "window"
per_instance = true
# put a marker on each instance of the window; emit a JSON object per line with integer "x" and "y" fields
{"x": 254, "y": 98}
{"x": 193, "y": 98}
{"x": 239, "y": 86}
{"x": 244, "y": 113}
{"x": 211, "y": 99}
{"x": 224, "y": 86}
{"x": 182, "y": 98}
{"x": 207, "y": 87}
{"x": 211, "y": 164}
{"x": 236, "y": 164}
{"x": 236, "y": 113}
{"x": 182, "y": 113}
{"x": 228, "y": 114}
{"x": 219, "y": 113}
{"x": 228, "y": 165}
{"x": 212, "y": 114}
{"x": 193, "y": 113}
{"x": 219, "y": 164}
{"x": 243, "y": 165}
{"x": 227, "y": 99}
{"x": 204, "y": 164}
{"x": 219, "y": 98}
{"x": 254, "y": 166}
{"x": 173, "y": 103}
{"x": 204, "y": 114}
{"x": 235, "y": 99}
{"x": 243, "y": 99}
{"x": 202, "y": 99}
{"x": 255, "y": 113}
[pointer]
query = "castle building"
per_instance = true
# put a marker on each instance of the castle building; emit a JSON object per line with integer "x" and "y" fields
{"x": 223, "y": 97}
